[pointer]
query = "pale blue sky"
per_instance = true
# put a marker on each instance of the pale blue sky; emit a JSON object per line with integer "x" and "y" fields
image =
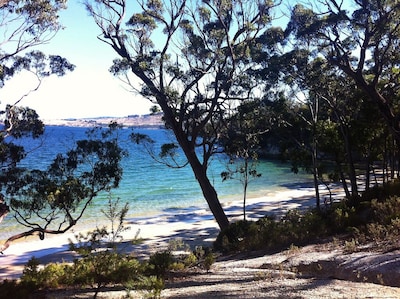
{"x": 90, "y": 90}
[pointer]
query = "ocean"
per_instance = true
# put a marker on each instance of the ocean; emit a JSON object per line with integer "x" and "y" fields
{"x": 153, "y": 189}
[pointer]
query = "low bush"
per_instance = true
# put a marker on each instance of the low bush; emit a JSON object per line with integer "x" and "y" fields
{"x": 375, "y": 220}
{"x": 106, "y": 267}
{"x": 159, "y": 263}
{"x": 15, "y": 289}
{"x": 272, "y": 234}
{"x": 382, "y": 192}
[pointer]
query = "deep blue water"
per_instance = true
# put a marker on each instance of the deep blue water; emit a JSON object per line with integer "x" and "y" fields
{"x": 149, "y": 187}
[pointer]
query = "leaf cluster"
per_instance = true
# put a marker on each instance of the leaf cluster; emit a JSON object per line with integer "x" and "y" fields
{"x": 54, "y": 199}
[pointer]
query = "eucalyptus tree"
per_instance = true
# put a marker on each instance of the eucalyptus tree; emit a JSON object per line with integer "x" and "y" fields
{"x": 359, "y": 38}
{"x": 25, "y": 25}
{"x": 54, "y": 199}
{"x": 241, "y": 142}
{"x": 339, "y": 105}
{"x": 189, "y": 57}
{"x": 47, "y": 201}
{"x": 333, "y": 113}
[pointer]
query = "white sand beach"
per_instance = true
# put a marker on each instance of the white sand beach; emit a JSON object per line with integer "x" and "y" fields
{"x": 193, "y": 227}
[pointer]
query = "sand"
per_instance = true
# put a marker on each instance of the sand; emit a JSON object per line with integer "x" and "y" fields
{"x": 193, "y": 226}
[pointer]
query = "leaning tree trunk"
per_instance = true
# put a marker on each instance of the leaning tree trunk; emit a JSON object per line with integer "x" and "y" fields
{"x": 209, "y": 192}
{"x": 211, "y": 197}
{"x": 199, "y": 170}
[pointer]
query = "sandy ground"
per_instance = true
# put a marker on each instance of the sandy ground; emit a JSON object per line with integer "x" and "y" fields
{"x": 258, "y": 275}
{"x": 194, "y": 227}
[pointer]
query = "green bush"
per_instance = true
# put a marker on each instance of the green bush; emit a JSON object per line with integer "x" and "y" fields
{"x": 384, "y": 211}
{"x": 153, "y": 285}
{"x": 382, "y": 192}
{"x": 30, "y": 275}
{"x": 159, "y": 263}
{"x": 293, "y": 228}
{"x": 384, "y": 226}
{"x": 53, "y": 275}
{"x": 378, "y": 220}
{"x": 14, "y": 289}
{"x": 340, "y": 217}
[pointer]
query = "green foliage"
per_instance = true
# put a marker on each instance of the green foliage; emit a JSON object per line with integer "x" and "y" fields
{"x": 153, "y": 285}
{"x": 103, "y": 267}
{"x": 292, "y": 229}
{"x": 116, "y": 215}
{"x": 382, "y": 192}
{"x": 209, "y": 259}
{"x": 58, "y": 196}
{"x": 54, "y": 275}
{"x": 377, "y": 221}
{"x": 159, "y": 263}
{"x": 190, "y": 260}
{"x": 384, "y": 225}
{"x": 340, "y": 217}
{"x": 30, "y": 274}
{"x": 15, "y": 289}
{"x": 99, "y": 265}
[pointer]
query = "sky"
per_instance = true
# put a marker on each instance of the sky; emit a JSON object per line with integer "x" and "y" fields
{"x": 90, "y": 90}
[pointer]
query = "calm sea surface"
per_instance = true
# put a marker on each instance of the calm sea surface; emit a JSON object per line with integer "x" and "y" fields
{"x": 149, "y": 187}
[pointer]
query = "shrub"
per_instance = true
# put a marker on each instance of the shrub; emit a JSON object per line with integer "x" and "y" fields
{"x": 385, "y": 211}
{"x": 236, "y": 236}
{"x": 15, "y": 289}
{"x": 382, "y": 192}
{"x": 385, "y": 223}
{"x": 53, "y": 275}
{"x": 153, "y": 285}
{"x": 209, "y": 259}
{"x": 293, "y": 228}
{"x": 159, "y": 263}
{"x": 190, "y": 260}
{"x": 30, "y": 275}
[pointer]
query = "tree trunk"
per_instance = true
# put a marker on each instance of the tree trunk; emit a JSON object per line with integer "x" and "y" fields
{"x": 199, "y": 169}
{"x": 315, "y": 173}
{"x": 367, "y": 173}
{"x": 350, "y": 163}
{"x": 209, "y": 192}
{"x": 343, "y": 179}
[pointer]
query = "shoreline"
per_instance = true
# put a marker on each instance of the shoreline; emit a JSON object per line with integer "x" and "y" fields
{"x": 147, "y": 120}
{"x": 194, "y": 226}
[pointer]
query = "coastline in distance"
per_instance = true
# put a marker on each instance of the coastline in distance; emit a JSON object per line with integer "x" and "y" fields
{"x": 148, "y": 120}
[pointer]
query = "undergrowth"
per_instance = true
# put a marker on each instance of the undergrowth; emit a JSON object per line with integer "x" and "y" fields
{"x": 103, "y": 262}
{"x": 375, "y": 219}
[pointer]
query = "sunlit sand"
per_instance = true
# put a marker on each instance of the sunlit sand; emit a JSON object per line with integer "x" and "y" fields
{"x": 194, "y": 226}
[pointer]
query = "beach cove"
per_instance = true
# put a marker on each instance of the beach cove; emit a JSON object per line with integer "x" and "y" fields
{"x": 164, "y": 208}
{"x": 194, "y": 226}
{"x": 249, "y": 275}
{"x": 151, "y": 188}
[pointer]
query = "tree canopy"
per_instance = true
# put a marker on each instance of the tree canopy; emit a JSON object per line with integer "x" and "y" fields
{"x": 195, "y": 72}
{"x": 226, "y": 80}
{"x": 53, "y": 200}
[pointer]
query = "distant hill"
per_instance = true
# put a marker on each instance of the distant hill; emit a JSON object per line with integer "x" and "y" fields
{"x": 148, "y": 120}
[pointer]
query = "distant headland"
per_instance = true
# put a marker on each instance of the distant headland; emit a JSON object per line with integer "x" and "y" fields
{"x": 148, "y": 120}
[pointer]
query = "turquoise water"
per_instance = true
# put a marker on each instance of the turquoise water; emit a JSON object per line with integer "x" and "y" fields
{"x": 149, "y": 187}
